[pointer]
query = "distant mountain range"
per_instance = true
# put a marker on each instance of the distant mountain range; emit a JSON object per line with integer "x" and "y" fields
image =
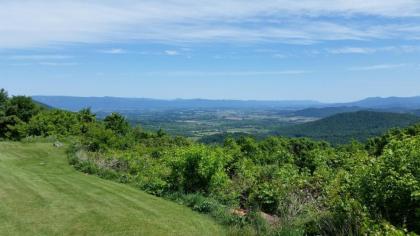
{"x": 124, "y": 104}
{"x": 299, "y": 108}
{"x": 387, "y": 103}
{"x": 409, "y": 105}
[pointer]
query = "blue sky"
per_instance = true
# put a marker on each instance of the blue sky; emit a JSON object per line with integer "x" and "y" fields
{"x": 323, "y": 50}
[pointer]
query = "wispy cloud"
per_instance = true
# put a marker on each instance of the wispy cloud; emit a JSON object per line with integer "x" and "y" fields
{"x": 58, "y": 63}
{"x": 171, "y": 52}
{"x": 225, "y": 73}
{"x": 279, "y": 55}
{"x": 44, "y": 23}
{"x": 371, "y": 50}
{"x": 377, "y": 67}
{"x": 39, "y": 57}
{"x": 352, "y": 50}
{"x": 113, "y": 51}
{"x": 45, "y": 63}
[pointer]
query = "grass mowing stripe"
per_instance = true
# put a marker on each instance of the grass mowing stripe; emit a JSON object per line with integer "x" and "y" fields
{"x": 40, "y": 194}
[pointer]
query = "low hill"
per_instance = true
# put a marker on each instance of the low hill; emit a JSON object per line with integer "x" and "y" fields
{"x": 43, "y": 105}
{"x": 324, "y": 111}
{"x": 344, "y": 127}
{"x": 41, "y": 194}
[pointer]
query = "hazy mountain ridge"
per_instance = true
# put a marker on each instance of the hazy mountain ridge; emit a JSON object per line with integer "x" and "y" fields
{"x": 392, "y": 104}
{"x": 388, "y": 102}
{"x": 116, "y": 104}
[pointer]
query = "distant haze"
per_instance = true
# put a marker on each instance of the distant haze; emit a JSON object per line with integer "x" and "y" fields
{"x": 119, "y": 104}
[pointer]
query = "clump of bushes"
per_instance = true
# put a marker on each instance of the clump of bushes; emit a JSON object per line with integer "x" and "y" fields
{"x": 308, "y": 186}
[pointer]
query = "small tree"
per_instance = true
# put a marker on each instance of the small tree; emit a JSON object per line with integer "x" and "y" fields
{"x": 10, "y": 127}
{"x": 117, "y": 123}
{"x": 86, "y": 116}
{"x": 22, "y": 107}
{"x": 3, "y": 100}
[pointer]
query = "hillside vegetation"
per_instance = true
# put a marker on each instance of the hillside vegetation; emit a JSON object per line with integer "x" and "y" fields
{"x": 275, "y": 186}
{"x": 324, "y": 111}
{"x": 344, "y": 127}
{"x": 41, "y": 194}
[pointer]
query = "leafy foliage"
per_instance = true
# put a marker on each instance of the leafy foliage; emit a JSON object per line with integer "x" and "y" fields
{"x": 275, "y": 186}
{"x": 15, "y": 112}
{"x": 117, "y": 123}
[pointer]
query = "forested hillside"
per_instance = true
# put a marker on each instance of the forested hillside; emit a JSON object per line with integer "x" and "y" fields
{"x": 344, "y": 127}
{"x": 276, "y": 186}
{"x": 325, "y": 111}
{"x": 330, "y": 111}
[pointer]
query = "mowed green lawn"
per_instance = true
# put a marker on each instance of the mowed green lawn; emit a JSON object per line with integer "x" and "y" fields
{"x": 40, "y": 194}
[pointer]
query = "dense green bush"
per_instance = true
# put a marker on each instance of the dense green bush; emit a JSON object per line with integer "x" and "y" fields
{"x": 53, "y": 123}
{"x": 11, "y": 127}
{"x": 15, "y": 112}
{"x": 391, "y": 186}
{"x": 117, "y": 123}
{"x": 22, "y": 107}
{"x": 198, "y": 168}
{"x": 307, "y": 187}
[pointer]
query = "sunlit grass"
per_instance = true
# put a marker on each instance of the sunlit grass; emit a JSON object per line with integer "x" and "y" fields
{"x": 40, "y": 194}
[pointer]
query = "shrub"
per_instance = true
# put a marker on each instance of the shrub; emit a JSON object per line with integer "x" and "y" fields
{"x": 197, "y": 169}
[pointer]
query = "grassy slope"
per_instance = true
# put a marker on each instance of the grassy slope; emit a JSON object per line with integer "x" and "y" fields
{"x": 40, "y": 194}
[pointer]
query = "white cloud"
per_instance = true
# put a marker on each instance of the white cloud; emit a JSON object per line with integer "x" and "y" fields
{"x": 45, "y": 23}
{"x": 45, "y": 63}
{"x": 226, "y": 73}
{"x": 39, "y": 57}
{"x": 58, "y": 63}
{"x": 356, "y": 50}
{"x": 279, "y": 55}
{"x": 352, "y": 50}
{"x": 113, "y": 51}
{"x": 378, "y": 67}
{"x": 171, "y": 52}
